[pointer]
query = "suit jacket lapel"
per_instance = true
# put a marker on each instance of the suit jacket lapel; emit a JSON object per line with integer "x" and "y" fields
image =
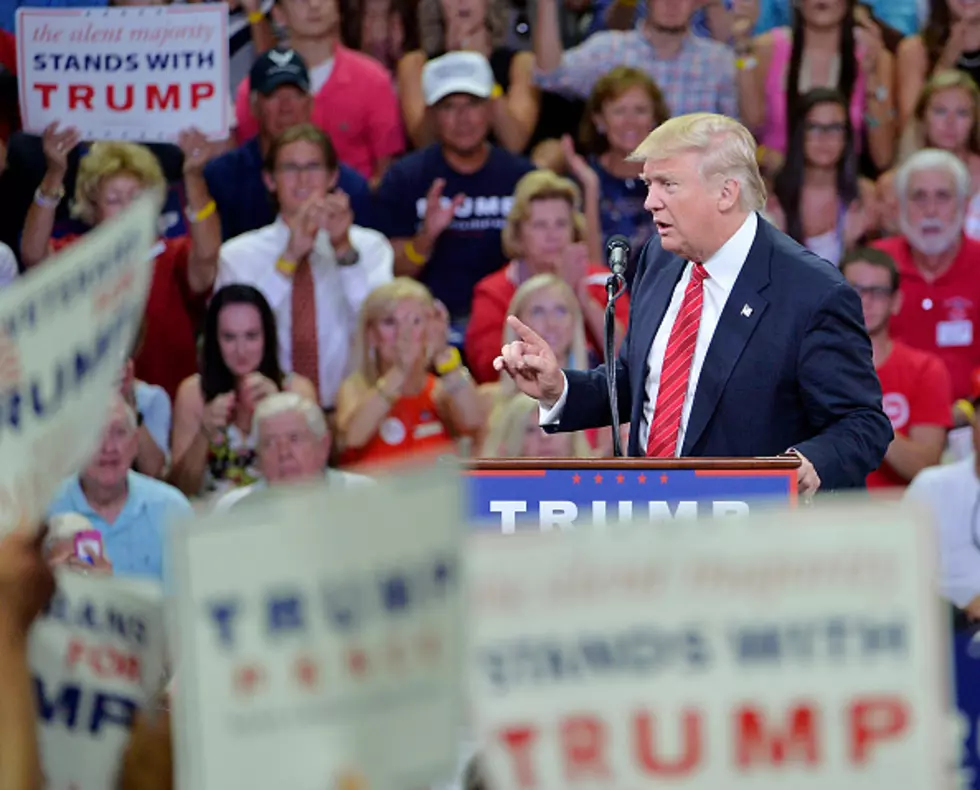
{"x": 649, "y": 312}
{"x": 739, "y": 318}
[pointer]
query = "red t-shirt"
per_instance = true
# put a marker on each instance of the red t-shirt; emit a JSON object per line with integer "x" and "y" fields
{"x": 174, "y": 315}
{"x": 357, "y": 106}
{"x": 8, "y": 59}
{"x": 916, "y": 390}
{"x": 941, "y": 316}
{"x": 491, "y": 298}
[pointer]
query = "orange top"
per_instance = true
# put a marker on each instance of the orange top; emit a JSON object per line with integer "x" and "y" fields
{"x": 412, "y": 428}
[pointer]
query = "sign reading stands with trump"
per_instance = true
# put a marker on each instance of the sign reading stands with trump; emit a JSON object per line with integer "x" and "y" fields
{"x": 134, "y": 73}
{"x": 799, "y": 650}
{"x": 320, "y": 637}
{"x": 66, "y": 329}
{"x": 97, "y": 656}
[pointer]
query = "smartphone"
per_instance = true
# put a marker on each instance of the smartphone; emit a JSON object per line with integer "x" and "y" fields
{"x": 88, "y": 545}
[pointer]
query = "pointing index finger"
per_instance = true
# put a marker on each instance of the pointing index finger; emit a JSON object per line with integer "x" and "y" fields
{"x": 526, "y": 334}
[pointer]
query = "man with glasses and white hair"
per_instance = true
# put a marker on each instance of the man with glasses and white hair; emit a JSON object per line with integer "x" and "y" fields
{"x": 938, "y": 264}
{"x": 293, "y": 445}
{"x": 740, "y": 342}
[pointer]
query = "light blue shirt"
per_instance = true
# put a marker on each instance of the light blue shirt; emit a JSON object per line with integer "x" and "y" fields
{"x": 136, "y": 541}
{"x": 154, "y": 404}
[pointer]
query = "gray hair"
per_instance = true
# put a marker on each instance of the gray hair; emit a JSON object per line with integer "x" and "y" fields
{"x": 132, "y": 422}
{"x": 727, "y": 149}
{"x": 933, "y": 159}
{"x": 282, "y": 402}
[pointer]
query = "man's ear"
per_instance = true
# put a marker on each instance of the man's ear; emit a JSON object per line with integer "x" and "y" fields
{"x": 269, "y": 181}
{"x": 730, "y": 193}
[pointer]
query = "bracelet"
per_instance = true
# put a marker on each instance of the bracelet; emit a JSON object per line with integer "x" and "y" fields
{"x": 967, "y": 408}
{"x": 49, "y": 201}
{"x": 203, "y": 214}
{"x": 497, "y": 91}
{"x": 453, "y": 363}
{"x": 746, "y": 64}
{"x": 255, "y": 17}
{"x": 413, "y": 254}
{"x": 286, "y": 266}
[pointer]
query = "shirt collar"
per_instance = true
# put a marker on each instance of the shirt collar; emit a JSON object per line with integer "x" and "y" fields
{"x": 724, "y": 266}
{"x": 132, "y": 506}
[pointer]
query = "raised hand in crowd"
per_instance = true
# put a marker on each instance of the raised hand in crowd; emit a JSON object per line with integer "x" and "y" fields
{"x": 99, "y": 566}
{"x": 337, "y": 220}
{"x": 197, "y": 150}
{"x": 868, "y": 37}
{"x": 303, "y": 229}
{"x": 574, "y": 265}
{"x": 57, "y": 144}
{"x": 437, "y": 332}
{"x": 745, "y": 14}
{"x": 217, "y": 415}
{"x": 955, "y": 45}
{"x": 438, "y": 213}
{"x": 588, "y": 180}
{"x": 531, "y": 363}
{"x": 253, "y": 388}
{"x": 861, "y": 218}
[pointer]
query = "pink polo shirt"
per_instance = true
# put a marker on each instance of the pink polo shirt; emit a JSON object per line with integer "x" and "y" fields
{"x": 357, "y": 107}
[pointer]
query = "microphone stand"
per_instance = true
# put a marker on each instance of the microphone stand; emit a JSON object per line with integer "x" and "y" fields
{"x": 615, "y": 287}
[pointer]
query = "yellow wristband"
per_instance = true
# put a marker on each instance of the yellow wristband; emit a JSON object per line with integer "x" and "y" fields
{"x": 454, "y": 362}
{"x": 497, "y": 91}
{"x": 286, "y": 267}
{"x": 413, "y": 254}
{"x": 204, "y": 213}
{"x": 967, "y": 408}
{"x": 760, "y": 154}
{"x": 255, "y": 17}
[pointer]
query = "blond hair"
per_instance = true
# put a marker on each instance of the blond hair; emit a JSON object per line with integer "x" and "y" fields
{"x": 913, "y": 137}
{"x": 379, "y": 303}
{"x": 540, "y": 185}
{"x": 108, "y": 159}
{"x": 727, "y": 150}
{"x": 506, "y": 426}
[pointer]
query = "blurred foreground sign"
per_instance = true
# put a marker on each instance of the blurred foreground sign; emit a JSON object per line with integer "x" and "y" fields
{"x": 65, "y": 331}
{"x": 321, "y": 639}
{"x": 97, "y": 657}
{"x": 794, "y": 650}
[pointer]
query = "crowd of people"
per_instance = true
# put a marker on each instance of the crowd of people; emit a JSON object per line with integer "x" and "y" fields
{"x": 332, "y": 282}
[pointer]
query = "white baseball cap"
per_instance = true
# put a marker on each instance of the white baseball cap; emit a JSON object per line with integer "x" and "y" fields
{"x": 457, "y": 72}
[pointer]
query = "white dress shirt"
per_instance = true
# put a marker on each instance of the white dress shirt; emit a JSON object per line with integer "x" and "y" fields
{"x": 951, "y": 494}
{"x": 250, "y": 259}
{"x": 723, "y": 269}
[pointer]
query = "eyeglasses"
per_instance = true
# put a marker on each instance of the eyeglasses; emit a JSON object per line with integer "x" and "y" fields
{"x": 294, "y": 169}
{"x": 874, "y": 291}
{"x": 825, "y": 128}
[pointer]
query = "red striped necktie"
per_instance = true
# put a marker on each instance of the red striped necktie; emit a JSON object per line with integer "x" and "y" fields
{"x": 676, "y": 371}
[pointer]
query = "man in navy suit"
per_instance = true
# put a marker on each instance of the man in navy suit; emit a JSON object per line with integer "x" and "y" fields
{"x": 740, "y": 342}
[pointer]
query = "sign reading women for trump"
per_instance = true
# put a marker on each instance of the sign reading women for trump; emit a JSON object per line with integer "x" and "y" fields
{"x": 97, "y": 656}
{"x": 798, "y": 650}
{"x": 135, "y": 73}
{"x": 65, "y": 331}
{"x": 321, "y": 639}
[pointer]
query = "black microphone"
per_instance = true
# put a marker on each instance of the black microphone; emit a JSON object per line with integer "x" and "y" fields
{"x": 618, "y": 250}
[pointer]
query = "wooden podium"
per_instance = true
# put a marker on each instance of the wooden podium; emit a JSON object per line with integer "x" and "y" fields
{"x": 509, "y": 494}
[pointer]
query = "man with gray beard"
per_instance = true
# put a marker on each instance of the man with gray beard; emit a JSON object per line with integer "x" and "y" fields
{"x": 938, "y": 265}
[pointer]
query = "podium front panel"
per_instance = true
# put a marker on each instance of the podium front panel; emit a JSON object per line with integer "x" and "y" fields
{"x": 518, "y": 499}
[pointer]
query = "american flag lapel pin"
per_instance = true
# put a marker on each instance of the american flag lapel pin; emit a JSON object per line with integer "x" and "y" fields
{"x": 746, "y": 311}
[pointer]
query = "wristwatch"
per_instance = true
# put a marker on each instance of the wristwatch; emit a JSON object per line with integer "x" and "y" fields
{"x": 349, "y": 258}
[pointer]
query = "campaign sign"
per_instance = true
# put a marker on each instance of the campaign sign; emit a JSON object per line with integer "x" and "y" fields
{"x": 97, "y": 656}
{"x": 522, "y": 498}
{"x": 321, "y": 639}
{"x": 800, "y": 649}
{"x": 65, "y": 331}
{"x": 133, "y": 73}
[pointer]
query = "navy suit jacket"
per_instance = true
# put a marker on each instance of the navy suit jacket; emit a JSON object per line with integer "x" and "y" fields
{"x": 793, "y": 371}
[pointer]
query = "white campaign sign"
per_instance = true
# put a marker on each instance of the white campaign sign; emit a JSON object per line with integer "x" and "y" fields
{"x": 134, "y": 73}
{"x": 796, "y": 650}
{"x": 65, "y": 331}
{"x": 97, "y": 656}
{"x": 321, "y": 639}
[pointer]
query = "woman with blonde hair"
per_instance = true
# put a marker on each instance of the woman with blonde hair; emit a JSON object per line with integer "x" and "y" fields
{"x": 514, "y": 432}
{"x": 410, "y": 394}
{"x": 471, "y": 26}
{"x": 110, "y": 177}
{"x": 545, "y": 234}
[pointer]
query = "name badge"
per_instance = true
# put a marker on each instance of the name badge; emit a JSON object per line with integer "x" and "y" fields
{"x": 954, "y": 333}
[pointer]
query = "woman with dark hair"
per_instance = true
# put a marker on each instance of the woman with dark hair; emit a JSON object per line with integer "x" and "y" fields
{"x": 212, "y": 442}
{"x": 826, "y": 47}
{"x": 818, "y": 197}
{"x": 383, "y": 29}
{"x": 950, "y": 40}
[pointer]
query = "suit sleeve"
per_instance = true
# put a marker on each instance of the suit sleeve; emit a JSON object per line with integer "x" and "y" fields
{"x": 841, "y": 393}
{"x": 587, "y": 402}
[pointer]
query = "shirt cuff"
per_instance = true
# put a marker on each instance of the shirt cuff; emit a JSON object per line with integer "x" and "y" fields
{"x": 553, "y": 415}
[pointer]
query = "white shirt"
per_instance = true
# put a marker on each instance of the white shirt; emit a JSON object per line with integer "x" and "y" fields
{"x": 723, "y": 269}
{"x": 951, "y": 493}
{"x": 251, "y": 258}
{"x": 335, "y": 479}
{"x": 8, "y": 265}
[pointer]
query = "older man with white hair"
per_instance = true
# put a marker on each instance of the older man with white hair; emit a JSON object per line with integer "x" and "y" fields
{"x": 740, "y": 342}
{"x": 293, "y": 445}
{"x": 939, "y": 266}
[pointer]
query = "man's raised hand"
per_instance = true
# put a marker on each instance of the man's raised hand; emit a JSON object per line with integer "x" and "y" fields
{"x": 531, "y": 363}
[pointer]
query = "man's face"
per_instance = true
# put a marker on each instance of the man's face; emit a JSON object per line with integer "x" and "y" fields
{"x": 308, "y": 19}
{"x": 116, "y": 453}
{"x": 286, "y": 106}
{"x": 462, "y": 122}
{"x": 932, "y": 219}
{"x": 300, "y": 174}
{"x": 681, "y": 203}
{"x": 671, "y": 15}
{"x": 874, "y": 286}
{"x": 289, "y": 451}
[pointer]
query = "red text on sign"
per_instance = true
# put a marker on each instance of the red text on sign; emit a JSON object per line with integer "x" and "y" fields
{"x": 104, "y": 661}
{"x": 124, "y": 98}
